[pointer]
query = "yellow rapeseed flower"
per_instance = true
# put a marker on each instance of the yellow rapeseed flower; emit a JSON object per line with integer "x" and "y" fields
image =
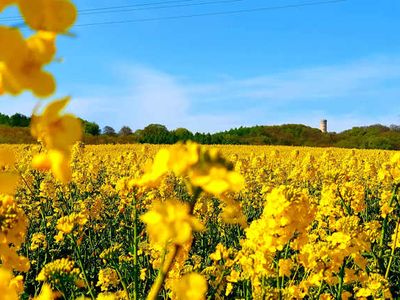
{"x": 8, "y": 179}
{"x": 59, "y": 268}
{"x": 56, "y": 131}
{"x": 217, "y": 180}
{"x": 46, "y": 293}
{"x": 56, "y": 161}
{"x": 191, "y": 286}
{"x": 21, "y": 62}
{"x": 49, "y": 15}
{"x": 170, "y": 221}
{"x": 8, "y": 183}
{"x": 4, "y": 3}
{"x": 7, "y": 291}
{"x": 108, "y": 278}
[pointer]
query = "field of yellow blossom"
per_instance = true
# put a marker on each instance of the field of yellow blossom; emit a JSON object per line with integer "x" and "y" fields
{"x": 184, "y": 222}
{"x": 201, "y": 222}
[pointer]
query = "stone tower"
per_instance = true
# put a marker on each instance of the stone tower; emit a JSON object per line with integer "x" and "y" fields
{"x": 323, "y": 126}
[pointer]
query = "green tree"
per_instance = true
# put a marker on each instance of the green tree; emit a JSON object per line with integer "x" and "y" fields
{"x": 91, "y": 128}
{"x": 182, "y": 134}
{"x": 156, "y": 134}
{"x": 108, "y": 130}
{"x": 19, "y": 120}
{"x": 125, "y": 130}
{"x": 4, "y": 119}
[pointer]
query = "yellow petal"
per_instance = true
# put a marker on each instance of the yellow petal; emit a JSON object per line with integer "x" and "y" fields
{"x": 56, "y": 161}
{"x": 53, "y": 110}
{"x": 48, "y": 15}
{"x": 7, "y": 157}
{"x": 60, "y": 166}
{"x": 41, "y": 162}
{"x": 8, "y": 82}
{"x": 2, "y": 90}
{"x": 16, "y": 47}
{"x": 4, "y": 3}
{"x": 8, "y": 183}
{"x": 45, "y": 294}
{"x": 42, "y": 46}
{"x": 42, "y": 84}
{"x": 73, "y": 132}
{"x": 5, "y": 279}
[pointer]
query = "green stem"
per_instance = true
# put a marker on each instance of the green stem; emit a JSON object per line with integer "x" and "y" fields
{"x": 384, "y": 229}
{"x": 162, "y": 272}
{"x": 394, "y": 242}
{"x": 248, "y": 292}
{"x": 78, "y": 254}
{"x": 166, "y": 266}
{"x": 285, "y": 256}
{"x": 341, "y": 277}
{"x": 135, "y": 250}
{"x": 320, "y": 289}
{"x": 123, "y": 283}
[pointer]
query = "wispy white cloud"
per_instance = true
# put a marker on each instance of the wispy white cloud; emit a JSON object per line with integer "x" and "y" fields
{"x": 322, "y": 82}
{"x": 352, "y": 94}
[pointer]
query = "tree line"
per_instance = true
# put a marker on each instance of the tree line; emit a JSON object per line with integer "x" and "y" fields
{"x": 364, "y": 137}
{"x": 16, "y": 120}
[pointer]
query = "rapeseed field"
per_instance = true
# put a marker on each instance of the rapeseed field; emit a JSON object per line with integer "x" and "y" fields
{"x": 196, "y": 222}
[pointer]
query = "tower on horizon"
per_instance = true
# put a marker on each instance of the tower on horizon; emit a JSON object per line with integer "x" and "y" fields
{"x": 323, "y": 126}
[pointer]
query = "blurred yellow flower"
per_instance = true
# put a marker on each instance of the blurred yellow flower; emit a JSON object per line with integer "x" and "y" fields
{"x": 56, "y": 161}
{"x": 46, "y": 293}
{"x": 155, "y": 171}
{"x": 22, "y": 61}
{"x": 170, "y": 221}
{"x": 56, "y": 131}
{"x": 8, "y": 179}
{"x": 8, "y": 183}
{"x": 217, "y": 180}
{"x": 204, "y": 168}
{"x": 48, "y": 15}
{"x": 7, "y": 158}
{"x": 4, "y": 3}
{"x": 191, "y": 286}
{"x": 7, "y": 291}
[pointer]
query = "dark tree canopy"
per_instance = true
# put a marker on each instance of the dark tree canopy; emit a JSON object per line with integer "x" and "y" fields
{"x": 4, "y": 119}
{"x": 182, "y": 134}
{"x": 91, "y": 128}
{"x": 156, "y": 134}
{"x": 16, "y": 120}
{"x": 125, "y": 130}
{"x": 108, "y": 130}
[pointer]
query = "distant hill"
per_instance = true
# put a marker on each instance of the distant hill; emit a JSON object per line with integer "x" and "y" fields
{"x": 15, "y": 130}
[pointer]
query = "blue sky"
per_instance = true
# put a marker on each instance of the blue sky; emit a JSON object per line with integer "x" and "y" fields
{"x": 339, "y": 61}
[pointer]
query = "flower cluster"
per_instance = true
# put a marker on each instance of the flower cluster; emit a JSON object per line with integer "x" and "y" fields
{"x": 170, "y": 222}
{"x": 205, "y": 169}
{"x": 66, "y": 224}
{"x": 58, "y": 272}
{"x": 22, "y": 61}
{"x": 326, "y": 230}
{"x": 58, "y": 133}
{"x": 13, "y": 224}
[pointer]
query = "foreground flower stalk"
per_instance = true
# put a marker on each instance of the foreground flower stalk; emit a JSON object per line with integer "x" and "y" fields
{"x": 169, "y": 256}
